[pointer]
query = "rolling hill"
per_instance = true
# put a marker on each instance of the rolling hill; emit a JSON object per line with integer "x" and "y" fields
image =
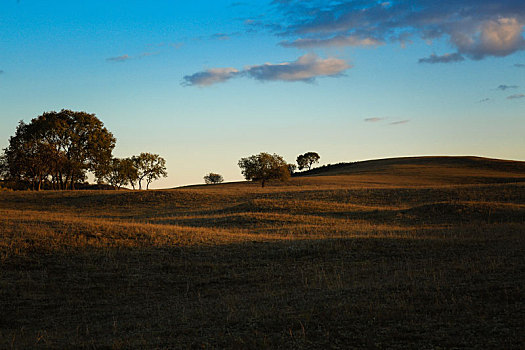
{"x": 427, "y": 251}
{"x": 408, "y": 171}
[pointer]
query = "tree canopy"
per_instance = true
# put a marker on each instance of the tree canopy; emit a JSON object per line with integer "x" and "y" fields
{"x": 263, "y": 167}
{"x": 149, "y": 167}
{"x": 121, "y": 172}
{"x": 58, "y": 147}
{"x": 213, "y": 178}
{"x": 306, "y": 160}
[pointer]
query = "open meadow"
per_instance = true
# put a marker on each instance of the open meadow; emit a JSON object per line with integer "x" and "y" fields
{"x": 420, "y": 253}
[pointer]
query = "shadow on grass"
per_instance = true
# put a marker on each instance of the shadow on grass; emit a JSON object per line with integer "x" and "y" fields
{"x": 337, "y": 293}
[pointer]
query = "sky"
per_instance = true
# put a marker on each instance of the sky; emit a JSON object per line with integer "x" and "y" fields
{"x": 205, "y": 83}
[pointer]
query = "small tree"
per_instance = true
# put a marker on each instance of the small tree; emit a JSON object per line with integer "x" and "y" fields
{"x": 213, "y": 178}
{"x": 263, "y": 167}
{"x": 306, "y": 160}
{"x": 150, "y": 167}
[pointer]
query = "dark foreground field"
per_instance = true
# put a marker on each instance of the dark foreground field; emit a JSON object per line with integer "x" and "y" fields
{"x": 421, "y": 255}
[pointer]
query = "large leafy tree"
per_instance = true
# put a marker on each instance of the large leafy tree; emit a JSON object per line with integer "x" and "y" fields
{"x": 307, "y": 160}
{"x": 263, "y": 167}
{"x": 60, "y": 148}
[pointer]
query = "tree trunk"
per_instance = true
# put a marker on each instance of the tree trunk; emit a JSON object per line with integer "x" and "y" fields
{"x": 262, "y": 183}
{"x": 60, "y": 181}
{"x": 66, "y": 182}
{"x": 72, "y": 181}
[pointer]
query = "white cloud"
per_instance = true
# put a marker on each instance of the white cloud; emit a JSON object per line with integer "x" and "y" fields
{"x": 337, "y": 41}
{"x": 210, "y": 76}
{"x": 515, "y": 97}
{"x": 374, "y": 119}
{"x": 118, "y": 58}
{"x": 499, "y": 37}
{"x": 475, "y": 28}
{"x": 400, "y": 122}
{"x": 504, "y": 87}
{"x": 306, "y": 68}
{"x": 446, "y": 58}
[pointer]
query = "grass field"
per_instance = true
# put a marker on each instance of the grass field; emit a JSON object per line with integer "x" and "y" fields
{"x": 420, "y": 253}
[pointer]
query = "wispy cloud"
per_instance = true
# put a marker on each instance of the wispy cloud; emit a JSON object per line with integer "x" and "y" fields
{"x": 306, "y": 69}
{"x": 400, "y": 122}
{"x": 446, "y": 58}
{"x": 506, "y": 87}
{"x": 475, "y": 28}
{"x": 258, "y": 23}
{"x": 337, "y": 41}
{"x": 125, "y": 58}
{"x": 210, "y": 77}
{"x": 486, "y": 99}
{"x": 176, "y": 45}
{"x": 220, "y": 36}
{"x": 122, "y": 58}
{"x": 147, "y": 54}
{"x": 217, "y": 36}
{"x": 519, "y": 65}
{"x": 373, "y": 119}
{"x": 515, "y": 96}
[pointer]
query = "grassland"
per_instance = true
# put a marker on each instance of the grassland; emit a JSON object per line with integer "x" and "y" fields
{"x": 425, "y": 253}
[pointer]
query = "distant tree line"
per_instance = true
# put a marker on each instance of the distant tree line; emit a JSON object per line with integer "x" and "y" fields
{"x": 264, "y": 167}
{"x": 57, "y": 150}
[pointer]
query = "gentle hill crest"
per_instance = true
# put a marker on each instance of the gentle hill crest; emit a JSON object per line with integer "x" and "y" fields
{"x": 423, "y": 170}
{"x": 435, "y": 161}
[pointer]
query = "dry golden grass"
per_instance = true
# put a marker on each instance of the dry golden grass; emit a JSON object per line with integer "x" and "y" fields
{"x": 388, "y": 257}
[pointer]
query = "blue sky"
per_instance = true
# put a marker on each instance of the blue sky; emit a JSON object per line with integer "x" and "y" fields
{"x": 205, "y": 83}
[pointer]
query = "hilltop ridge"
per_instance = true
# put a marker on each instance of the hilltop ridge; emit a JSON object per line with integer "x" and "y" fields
{"x": 444, "y": 161}
{"x": 425, "y": 170}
